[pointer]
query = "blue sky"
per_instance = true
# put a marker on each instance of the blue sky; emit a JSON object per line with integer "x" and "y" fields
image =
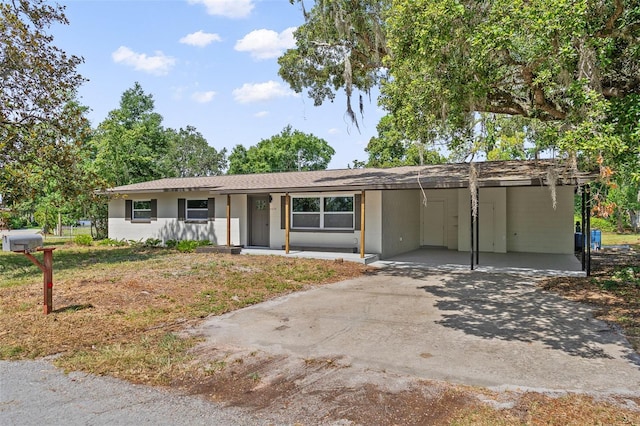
{"x": 211, "y": 64}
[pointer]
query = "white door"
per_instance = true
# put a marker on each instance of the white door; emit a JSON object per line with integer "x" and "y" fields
{"x": 433, "y": 224}
{"x": 487, "y": 228}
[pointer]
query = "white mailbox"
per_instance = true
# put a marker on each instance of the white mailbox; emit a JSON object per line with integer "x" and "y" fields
{"x": 19, "y": 242}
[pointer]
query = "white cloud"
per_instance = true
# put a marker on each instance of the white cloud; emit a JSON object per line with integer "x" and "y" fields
{"x": 159, "y": 64}
{"x": 227, "y": 8}
{"x": 266, "y": 44}
{"x": 261, "y": 92}
{"x": 203, "y": 97}
{"x": 261, "y": 114}
{"x": 334, "y": 131}
{"x": 200, "y": 39}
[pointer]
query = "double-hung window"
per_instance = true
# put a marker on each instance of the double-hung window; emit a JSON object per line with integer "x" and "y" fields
{"x": 141, "y": 210}
{"x": 330, "y": 212}
{"x": 197, "y": 210}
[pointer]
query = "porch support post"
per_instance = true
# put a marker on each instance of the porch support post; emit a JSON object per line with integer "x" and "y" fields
{"x": 472, "y": 230}
{"x": 588, "y": 217}
{"x": 287, "y": 225}
{"x": 583, "y": 227}
{"x": 478, "y": 227}
{"x": 362, "y": 226}
{"x": 228, "y": 220}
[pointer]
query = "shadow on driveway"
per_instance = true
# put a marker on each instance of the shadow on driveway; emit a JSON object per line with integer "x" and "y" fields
{"x": 475, "y": 328}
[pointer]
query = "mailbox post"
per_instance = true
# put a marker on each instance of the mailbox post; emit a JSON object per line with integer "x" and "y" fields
{"x": 26, "y": 244}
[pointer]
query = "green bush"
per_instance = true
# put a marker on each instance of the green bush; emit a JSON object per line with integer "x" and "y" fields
{"x": 83, "y": 240}
{"x": 599, "y": 223}
{"x": 171, "y": 243}
{"x": 152, "y": 242}
{"x": 17, "y": 223}
{"x": 602, "y": 224}
{"x": 189, "y": 246}
{"x": 112, "y": 243}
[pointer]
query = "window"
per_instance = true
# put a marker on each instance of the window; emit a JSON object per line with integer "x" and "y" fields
{"x": 197, "y": 210}
{"x": 335, "y": 212}
{"x": 142, "y": 210}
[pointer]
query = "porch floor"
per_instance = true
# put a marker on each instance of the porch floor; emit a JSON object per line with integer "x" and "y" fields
{"x": 521, "y": 263}
{"x": 536, "y": 264}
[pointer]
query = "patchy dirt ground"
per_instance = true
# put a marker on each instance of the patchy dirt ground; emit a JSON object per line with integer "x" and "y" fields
{"x": 330, "y": 391}
{"x": 327, "y": 391}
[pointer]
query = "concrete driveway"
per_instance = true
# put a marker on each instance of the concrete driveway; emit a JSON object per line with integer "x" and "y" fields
{"x": 475, "y": 328}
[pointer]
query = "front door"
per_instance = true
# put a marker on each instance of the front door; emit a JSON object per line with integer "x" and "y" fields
{"x": 259, "y": 220}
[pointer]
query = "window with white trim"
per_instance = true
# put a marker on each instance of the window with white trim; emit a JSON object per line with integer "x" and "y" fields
{"x": 326, "y": 212}
{"x": 197, "y": 209}
{"x": 141, "y": 209}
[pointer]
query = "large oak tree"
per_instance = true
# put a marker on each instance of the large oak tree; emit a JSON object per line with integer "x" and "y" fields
{"x": 40, "y": 126}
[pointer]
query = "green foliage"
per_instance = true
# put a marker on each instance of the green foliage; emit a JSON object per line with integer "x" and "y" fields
{"x": 46, "y": 217}
{"x": 189, "y": 246}
{"x": 621, "y": 277}
{"x": 152, "y": 242}
{"x": 191, "y": 155}
{"x": 171, "y": 244}
{"x": 392, "y": 148}
{"x": 131, "y": 145}
{"x": 602, "y": 224}
{"x": 340, "y": 45}
{"x": 17, "y": 222}
{"x": 83, "y": 240}
{"x": 288, "y": 151}
{"x": 112, "y": 243}
{"x": 39, "y": 124}
{"x": 567, "y": 69}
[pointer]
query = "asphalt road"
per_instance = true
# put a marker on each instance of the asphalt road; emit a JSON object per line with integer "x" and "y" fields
{"x": 36, "y": 393}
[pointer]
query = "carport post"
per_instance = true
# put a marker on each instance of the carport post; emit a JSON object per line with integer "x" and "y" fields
{"x": 583, "y": 228}
{"x": 287, "y": 225}
{"x": 471, "y": 241}
{"x": 228, "y": 220}
{"x": 362, "y": 204}
{"x": 588, "y": 214}
{"x": 478, "y": 227}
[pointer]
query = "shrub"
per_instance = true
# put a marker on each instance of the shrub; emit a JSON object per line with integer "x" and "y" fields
{"x": 171, "y": 244}
{"x": 599, "y": 223}
{"x": 112, "y": 243}
{"x": 83, "y": 240}
{"x": 17, "y": 223}
{"x": 189, "y": 246}
{"x": 152, "y": 242}
{"x": 602, "y": 224}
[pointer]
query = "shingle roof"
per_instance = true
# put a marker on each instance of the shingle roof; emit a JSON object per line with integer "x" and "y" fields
{"x": 490, "y": 173}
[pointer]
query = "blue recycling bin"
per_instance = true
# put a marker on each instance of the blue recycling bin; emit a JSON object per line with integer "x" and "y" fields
{"x": 596, "y": 239}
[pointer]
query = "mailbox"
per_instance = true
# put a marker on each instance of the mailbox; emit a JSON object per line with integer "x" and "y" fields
{"x": 20, "y": 242}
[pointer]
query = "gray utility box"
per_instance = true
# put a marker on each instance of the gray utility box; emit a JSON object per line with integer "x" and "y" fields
{"x": 19, "y": 242}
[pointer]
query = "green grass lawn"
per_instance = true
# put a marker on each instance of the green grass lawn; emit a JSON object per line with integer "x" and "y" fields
{"x": 612, "y": 238}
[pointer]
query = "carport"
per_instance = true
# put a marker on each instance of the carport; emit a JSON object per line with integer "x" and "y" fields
{"x": 538, "y": 264}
